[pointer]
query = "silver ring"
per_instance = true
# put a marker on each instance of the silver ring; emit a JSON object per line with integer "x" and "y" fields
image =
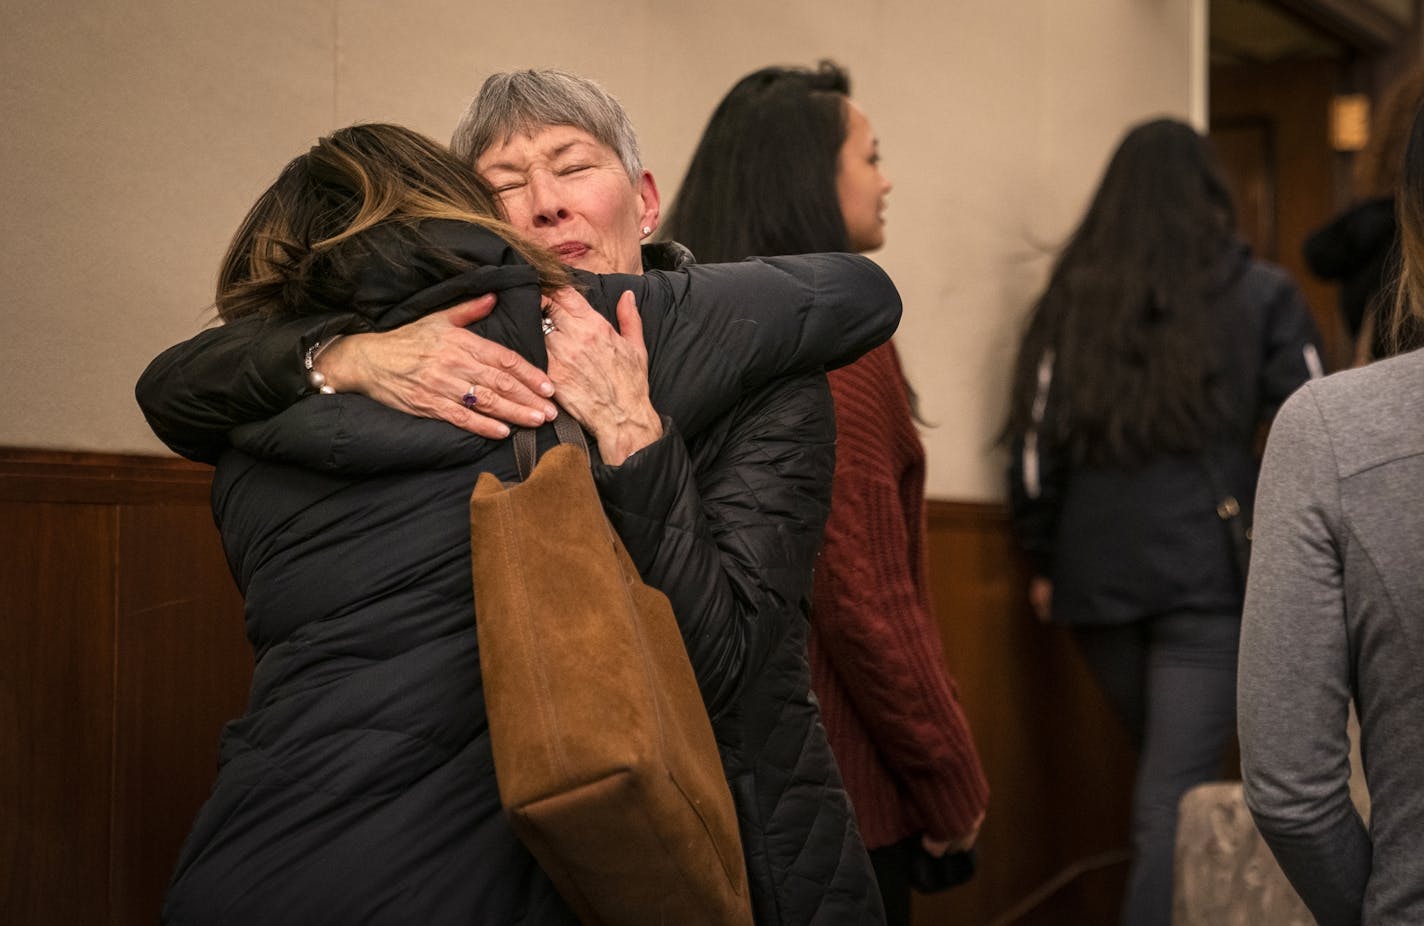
{"x": 469, "y": 399}
{"x": 547, "y": 326}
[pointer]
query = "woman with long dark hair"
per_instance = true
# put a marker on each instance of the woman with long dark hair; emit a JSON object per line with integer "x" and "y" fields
{"x": 1156, "y": 350}
{"x": 788, "y": 164}
{"x": 1335, "y": 614}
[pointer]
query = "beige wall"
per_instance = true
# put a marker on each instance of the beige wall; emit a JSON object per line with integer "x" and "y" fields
{"x": 135, "y": 135}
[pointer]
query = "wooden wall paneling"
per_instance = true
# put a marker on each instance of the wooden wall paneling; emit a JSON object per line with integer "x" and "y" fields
{"x": 56, "y": 700}
{"x": 121, "y": 654}
{"x": 101, "y": 478}
{"x": 184, "y": 668}
{"x": 1059, "y": 764}
{"x": 1293, "y": 99}
{"x": 1247, "y": 149}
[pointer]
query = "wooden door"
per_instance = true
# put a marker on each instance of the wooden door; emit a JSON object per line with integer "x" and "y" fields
{"x": 1270, "y": 124}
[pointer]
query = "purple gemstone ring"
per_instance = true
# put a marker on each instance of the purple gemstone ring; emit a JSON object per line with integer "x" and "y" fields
{"x": 469, "y": 399}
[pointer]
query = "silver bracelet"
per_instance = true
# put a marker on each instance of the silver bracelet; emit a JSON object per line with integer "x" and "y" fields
{"x": 315, "y": 378}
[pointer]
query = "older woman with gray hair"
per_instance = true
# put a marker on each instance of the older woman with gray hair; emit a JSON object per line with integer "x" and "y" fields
{"x": 724, "y": 514}
{"x": 564, "y": 160}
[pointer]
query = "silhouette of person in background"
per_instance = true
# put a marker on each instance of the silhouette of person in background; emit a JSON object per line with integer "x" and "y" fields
{"x": 1151, "y": 357}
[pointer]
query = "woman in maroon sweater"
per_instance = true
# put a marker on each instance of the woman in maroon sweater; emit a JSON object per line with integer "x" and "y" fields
{"x": 793, "y": 142}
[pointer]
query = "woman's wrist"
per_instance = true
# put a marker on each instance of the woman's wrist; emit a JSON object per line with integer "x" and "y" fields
{"x": 331, "y": 364}
{"x": 316, "y": 379}
{"x": 620, "y": 440}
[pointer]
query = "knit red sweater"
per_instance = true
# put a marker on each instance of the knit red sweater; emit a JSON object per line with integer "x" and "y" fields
{"x": 889, "y": 706}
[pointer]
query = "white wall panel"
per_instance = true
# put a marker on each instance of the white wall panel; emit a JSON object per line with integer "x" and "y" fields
{"x": 137, "y": 134}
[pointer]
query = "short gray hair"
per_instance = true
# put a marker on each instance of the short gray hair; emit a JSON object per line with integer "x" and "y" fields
{"x": 527, "y": 101}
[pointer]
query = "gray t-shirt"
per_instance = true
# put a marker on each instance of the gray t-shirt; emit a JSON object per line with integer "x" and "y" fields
{"x": 1334, "y": 611}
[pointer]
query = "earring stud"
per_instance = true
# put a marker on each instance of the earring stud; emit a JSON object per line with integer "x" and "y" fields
{"x": 647, "y": 230}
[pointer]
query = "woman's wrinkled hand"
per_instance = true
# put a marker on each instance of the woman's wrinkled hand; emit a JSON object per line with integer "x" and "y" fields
{"x": 601, "y": 374}
{"x": 426, "y": 368}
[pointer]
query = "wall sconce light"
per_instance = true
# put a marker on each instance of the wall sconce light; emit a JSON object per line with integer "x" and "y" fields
{"x": 1349, "y": 121}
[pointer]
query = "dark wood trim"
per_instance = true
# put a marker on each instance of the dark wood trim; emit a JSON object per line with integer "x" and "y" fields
{"x": 1267, "y": 243}
{"x": 73, "y": 477}
{"x": 949, "y": 514}
{"x": 1361, "y": 25}
{"x": 35, "y": 475}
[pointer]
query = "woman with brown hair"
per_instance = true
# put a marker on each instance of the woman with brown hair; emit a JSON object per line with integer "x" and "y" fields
{"x": 358, "y": 786}
{"x": 1335, "y": 613}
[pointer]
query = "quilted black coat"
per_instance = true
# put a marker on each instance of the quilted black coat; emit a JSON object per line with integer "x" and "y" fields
{"x": 359, "y": 787}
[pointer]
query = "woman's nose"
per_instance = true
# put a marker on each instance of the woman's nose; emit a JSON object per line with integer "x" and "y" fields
{"x": 546, "y": 200}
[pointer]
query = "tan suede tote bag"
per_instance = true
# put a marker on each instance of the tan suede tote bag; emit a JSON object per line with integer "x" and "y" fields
{"x": 603, "y": 752}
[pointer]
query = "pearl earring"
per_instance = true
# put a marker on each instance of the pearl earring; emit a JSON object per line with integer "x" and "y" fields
{"x": 647, "y": 230}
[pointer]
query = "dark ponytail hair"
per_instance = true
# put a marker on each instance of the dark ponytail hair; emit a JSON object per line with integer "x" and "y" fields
{"x": 763, "y": 178}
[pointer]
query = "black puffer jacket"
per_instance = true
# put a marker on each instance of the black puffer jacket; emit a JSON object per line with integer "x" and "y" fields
{"x": 359, "y": 785}
{"x": 728, "y": 525}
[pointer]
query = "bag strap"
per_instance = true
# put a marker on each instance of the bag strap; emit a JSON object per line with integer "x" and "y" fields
{"x": 526, "y": 452}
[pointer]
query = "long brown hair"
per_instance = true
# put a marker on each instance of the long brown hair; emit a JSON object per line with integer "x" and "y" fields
{"x": 1127, "y": 310}
{"x": 294, "y": 252}
{"x": 1408, "y": 328}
